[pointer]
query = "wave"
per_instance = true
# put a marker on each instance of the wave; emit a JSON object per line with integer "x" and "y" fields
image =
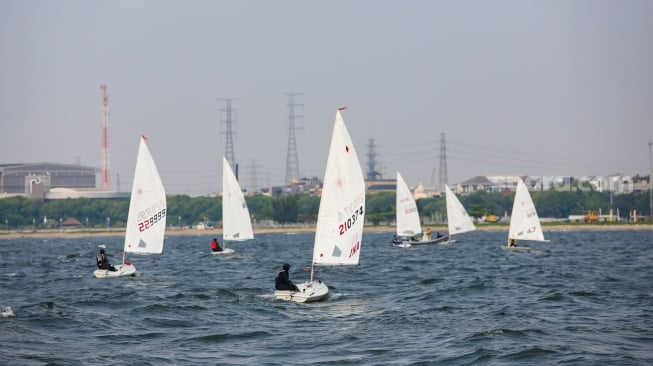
{"x": 218, "y": 338}
{"x": 504, "y": 332}
{"x": 430, "y": 281}
{"x": 531, "y": 352}
{"x": 6, "y": 312}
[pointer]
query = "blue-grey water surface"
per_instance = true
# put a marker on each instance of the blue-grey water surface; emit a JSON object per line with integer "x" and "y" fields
{"x": 585, "y": 299}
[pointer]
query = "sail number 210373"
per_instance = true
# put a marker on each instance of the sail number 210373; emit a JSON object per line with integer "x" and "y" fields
{"x": 347, "y": 224}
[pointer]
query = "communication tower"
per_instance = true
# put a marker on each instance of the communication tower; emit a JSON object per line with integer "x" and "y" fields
{"x": 253, "y": 177}
{"x": 372, "y": 173}
{"x": 443, "y": 162}
{"x": 292, "y": 159}
{"x": 229, "y": 121}
{"x": 106, "y": 181}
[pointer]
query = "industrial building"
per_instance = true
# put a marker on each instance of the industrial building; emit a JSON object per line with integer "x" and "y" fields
{"x": 51, "y": 181}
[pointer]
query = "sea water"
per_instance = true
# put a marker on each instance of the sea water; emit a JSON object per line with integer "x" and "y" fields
{"x": 585, "y": 298}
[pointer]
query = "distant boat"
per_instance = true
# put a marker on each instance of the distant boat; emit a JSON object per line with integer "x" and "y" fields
{"x": 409, "y": 229}
{"x": 339, "y": 231}
{"x": 524, "y": 222}
{"x": 457, "y": 218}
{"x": 236, "y": 221}
{"x": 146, "y": 220}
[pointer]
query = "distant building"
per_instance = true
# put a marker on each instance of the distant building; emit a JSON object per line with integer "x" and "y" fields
{"x": 618, "y": 183}
{"x": 478, "y": 183}
{"x": 381, "y": 185}
{"x": 312, "y": 186}
{"x": 421, "y": 192}
{"x": 51, "y": 181}
{"x": 306, "y": 185}
{"x": 71, "y": 223}
{"x": 504, "y": 183}
{"x": 25, "y": 178}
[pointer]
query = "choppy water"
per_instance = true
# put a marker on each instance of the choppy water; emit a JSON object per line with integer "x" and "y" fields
{"x": 585, "y": 299}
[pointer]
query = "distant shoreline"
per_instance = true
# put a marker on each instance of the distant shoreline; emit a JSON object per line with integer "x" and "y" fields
{"x": 81, "y": 233}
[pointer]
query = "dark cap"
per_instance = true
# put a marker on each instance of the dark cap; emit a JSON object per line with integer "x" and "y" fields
{"x": 286, "y": 266}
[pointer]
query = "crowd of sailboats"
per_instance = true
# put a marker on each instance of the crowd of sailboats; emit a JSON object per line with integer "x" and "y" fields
{"x": 338, "y": 233}
{"x": 409, "y": 230}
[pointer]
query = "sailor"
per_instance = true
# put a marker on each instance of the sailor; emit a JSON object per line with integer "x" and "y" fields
{"x": 512, "y": 243}
{"x": 215, "y": 246}
{"x": 282, "y": 279}
{"x": 427, "y": 235}
{"x": 103, "y": 262}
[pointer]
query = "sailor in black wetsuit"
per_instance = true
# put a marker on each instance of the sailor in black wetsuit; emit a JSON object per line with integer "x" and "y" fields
{"x": 282, "y": 280}
{"x": 103, "y": 262}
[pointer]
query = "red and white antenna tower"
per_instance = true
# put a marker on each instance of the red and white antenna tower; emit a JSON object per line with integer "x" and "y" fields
{"x": 106, "y": 183}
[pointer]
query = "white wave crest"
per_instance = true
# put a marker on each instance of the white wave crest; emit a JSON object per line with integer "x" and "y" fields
{"x": 5, "y": 312}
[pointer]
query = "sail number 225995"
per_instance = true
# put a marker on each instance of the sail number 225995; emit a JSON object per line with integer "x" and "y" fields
{"x": 347, "y": 224}
{"x": 147, "y": 223}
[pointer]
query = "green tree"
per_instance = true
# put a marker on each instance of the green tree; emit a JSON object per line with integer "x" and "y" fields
{"x": 380, "y": 207}
{"x": 307, "y": 208}
{"x": 285, "y": 209}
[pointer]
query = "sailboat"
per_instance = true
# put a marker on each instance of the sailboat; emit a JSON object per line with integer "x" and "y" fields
{"x": 524, "y": 222}
{"x": 146, "y": 220}
{"x": 457, "y": 218}
{"x": 236, "y": 222}
{"x": 409, "y": 229}
{"x": 339, "y": 230}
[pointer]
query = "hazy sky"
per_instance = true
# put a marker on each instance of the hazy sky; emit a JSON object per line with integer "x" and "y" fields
{"x": 519, "y": 87}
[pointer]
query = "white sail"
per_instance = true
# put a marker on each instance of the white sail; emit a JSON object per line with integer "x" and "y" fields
{"x": 339, "y": 230}
{"x": 524, "y": 223}
{"x": 457, "y": 218}
{"x": 236, "y": 222}
{"x": 407, "y": 215}
{"x": 146, "y": 221}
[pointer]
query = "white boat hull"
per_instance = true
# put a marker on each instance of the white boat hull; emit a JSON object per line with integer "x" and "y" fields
{"x": 224, "y": 251}
{"x": 516, "y": 249}
{"x": 440, "y": 240}
{"x": 310, "y": 291}
{"x": 122, "y": 270}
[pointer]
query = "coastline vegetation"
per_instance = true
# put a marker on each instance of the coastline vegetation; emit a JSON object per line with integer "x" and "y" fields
{"x": 301, "y": 209}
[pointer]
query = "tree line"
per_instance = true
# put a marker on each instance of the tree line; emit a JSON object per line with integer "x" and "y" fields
{"x": 183, "y": 210}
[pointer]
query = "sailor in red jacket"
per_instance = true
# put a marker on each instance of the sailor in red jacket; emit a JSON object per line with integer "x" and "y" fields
{"x": 215, "y": 246}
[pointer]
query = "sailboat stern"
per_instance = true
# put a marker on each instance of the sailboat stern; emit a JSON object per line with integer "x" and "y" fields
{"x": 309, "y": 291}
{"x": 122, "y": 270}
